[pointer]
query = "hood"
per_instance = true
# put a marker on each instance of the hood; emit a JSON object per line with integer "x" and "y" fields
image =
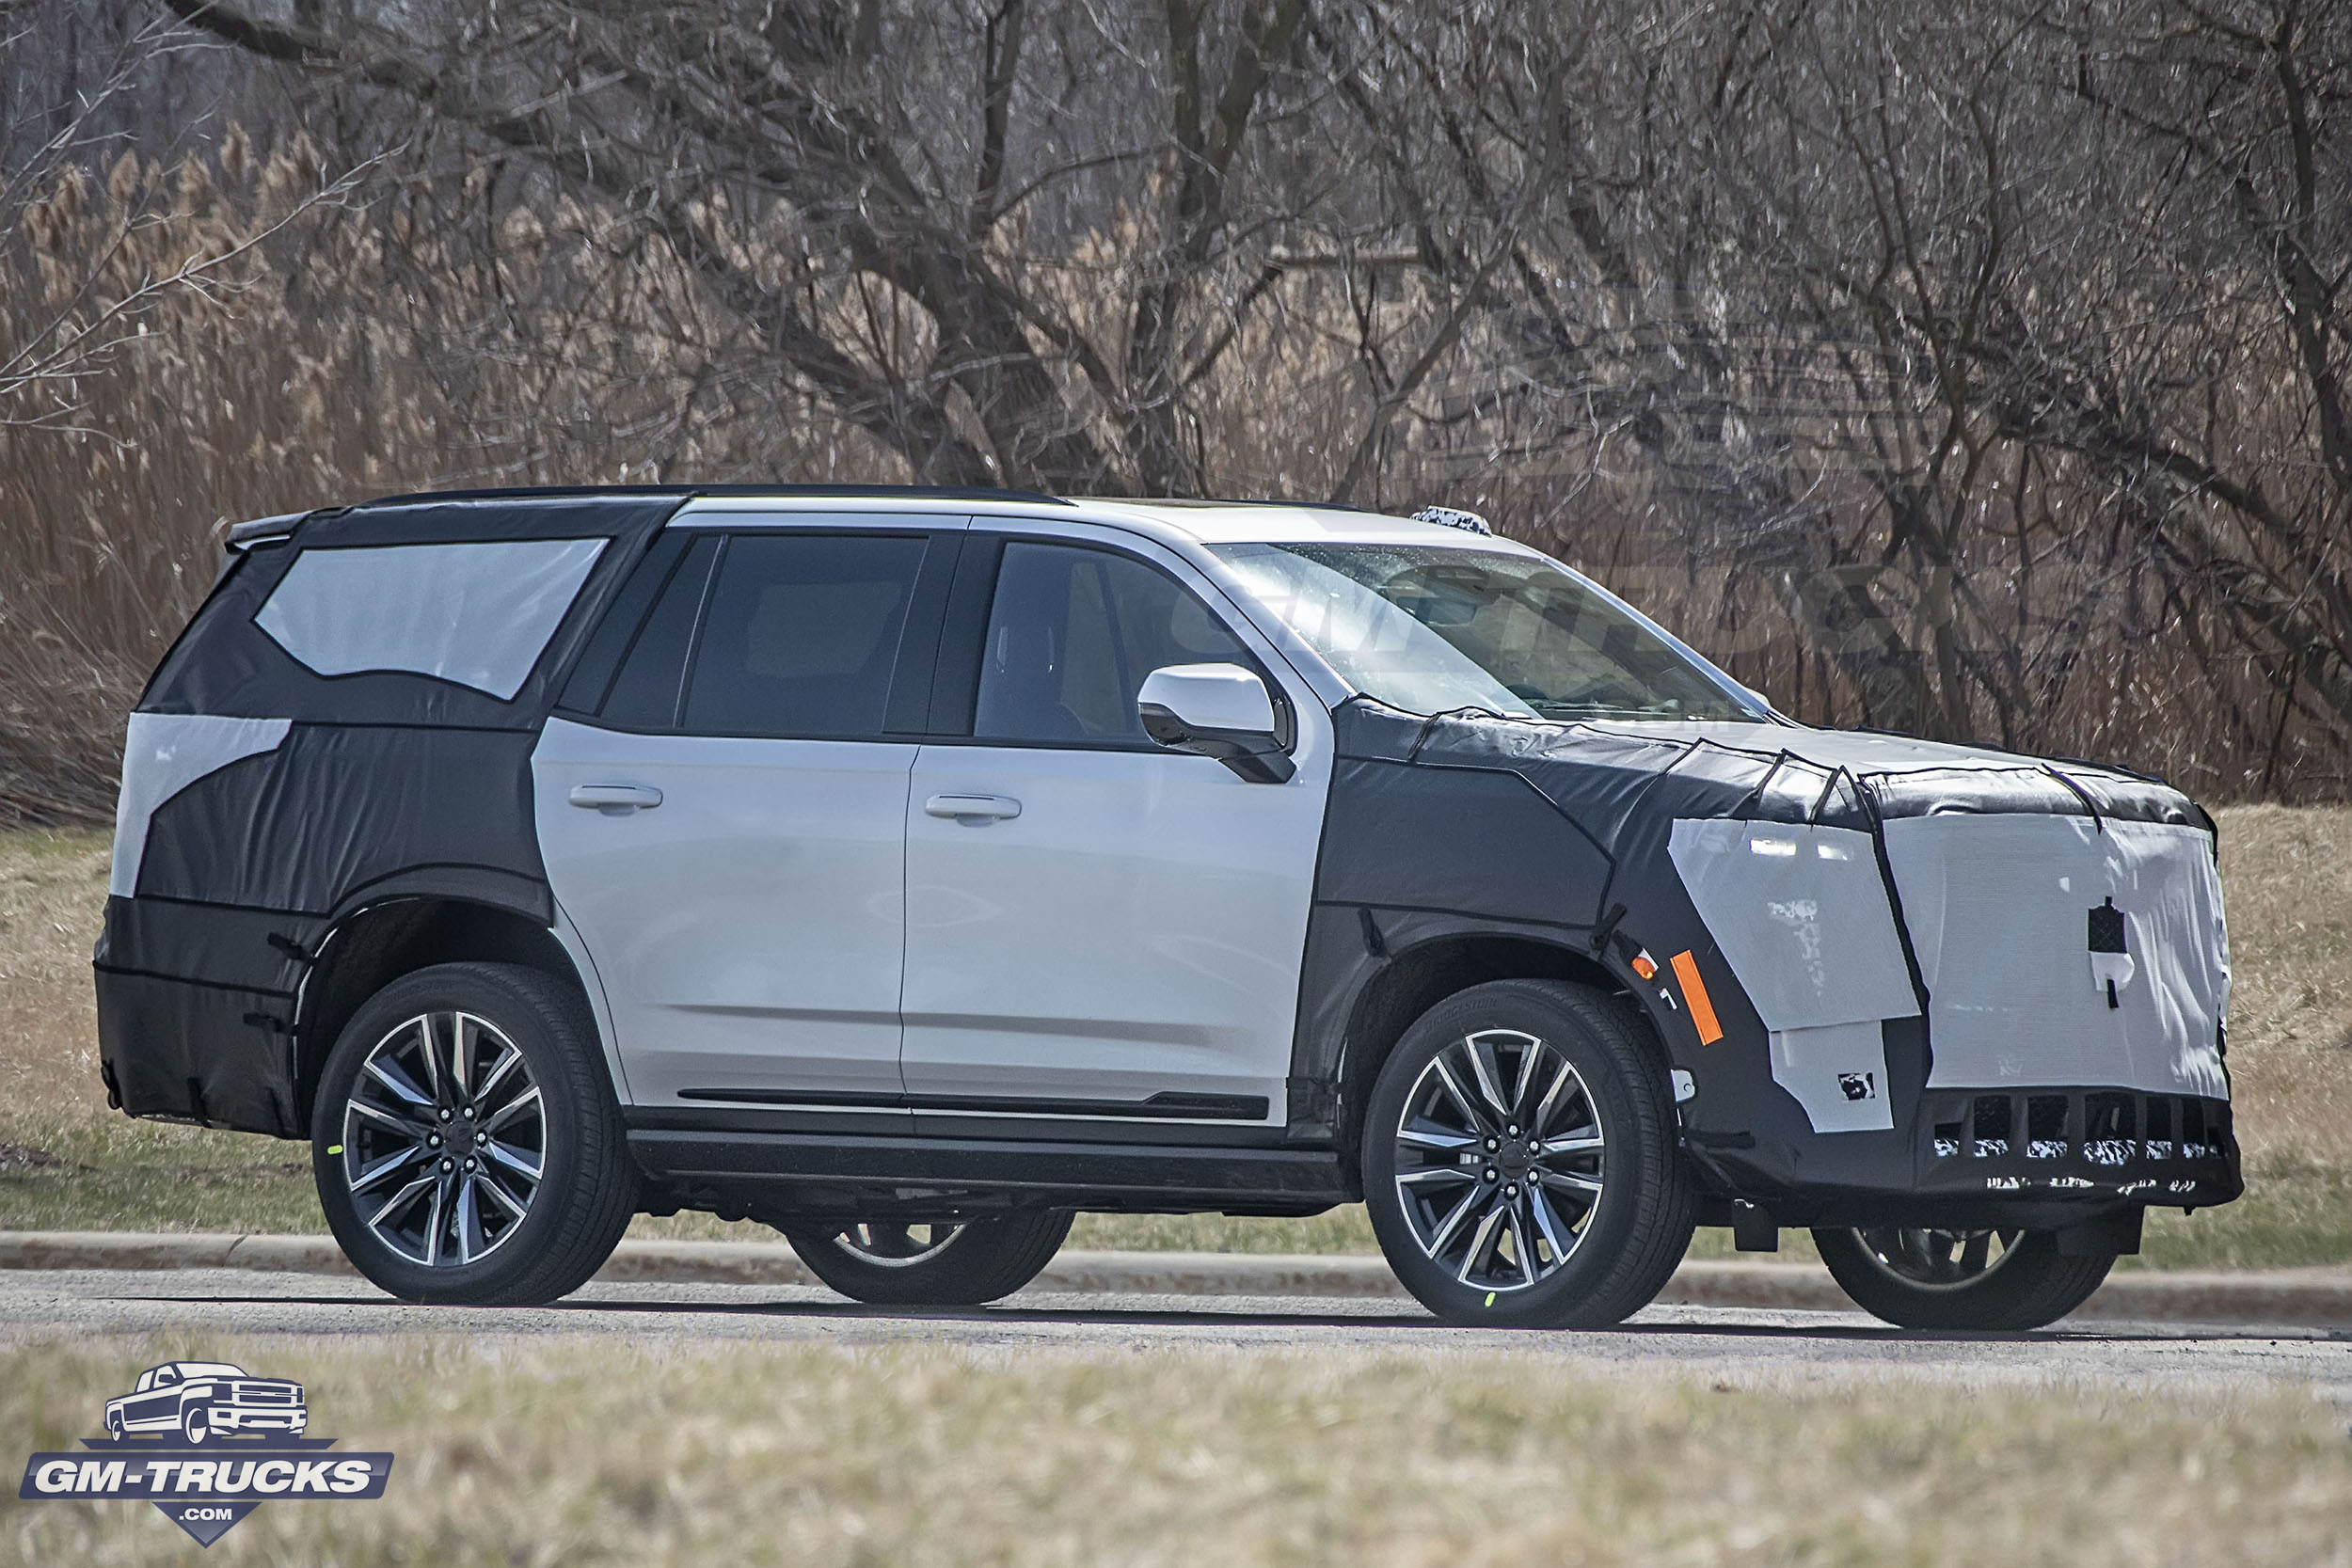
{"x": 1821, "y": 775}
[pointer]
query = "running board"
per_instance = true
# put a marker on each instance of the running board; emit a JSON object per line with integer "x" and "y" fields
{"x": 1214, "y": 1177}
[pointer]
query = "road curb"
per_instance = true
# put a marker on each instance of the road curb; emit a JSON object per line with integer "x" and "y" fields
{"x": 2307, "y": 1300}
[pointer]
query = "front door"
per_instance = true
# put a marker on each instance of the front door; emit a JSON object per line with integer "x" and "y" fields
{"x": 1099, "y": 930}
{"x": 726, "y": 831}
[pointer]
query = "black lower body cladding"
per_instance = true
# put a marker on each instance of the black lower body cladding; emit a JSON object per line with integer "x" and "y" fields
{"x": 195, "y": 1012}
{"x": 188, "y": 1051}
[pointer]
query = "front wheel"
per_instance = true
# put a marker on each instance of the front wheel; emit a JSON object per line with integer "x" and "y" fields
{"x": 1520, "y": 1164}
{"x": 1990, "y": 1281}
{"x": 195, "y": 1425}
{"x": 903, "y": 1263}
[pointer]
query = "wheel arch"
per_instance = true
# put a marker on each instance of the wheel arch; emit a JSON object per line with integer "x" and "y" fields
{"x": 379, "y": 942}
{"x": 1417, "y": 977}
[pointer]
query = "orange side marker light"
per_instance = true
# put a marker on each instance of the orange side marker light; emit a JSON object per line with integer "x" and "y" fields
{"x": 1645, "y": 966}
{"x": 1694, "y": 994}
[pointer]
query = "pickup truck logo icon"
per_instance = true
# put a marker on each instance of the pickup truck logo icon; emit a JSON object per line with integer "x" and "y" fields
{"x": 207, "y": 1443}
{"x": 199, "y": 1401}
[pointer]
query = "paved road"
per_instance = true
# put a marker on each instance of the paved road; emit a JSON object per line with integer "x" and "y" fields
{"x": 1742, "y": 1345}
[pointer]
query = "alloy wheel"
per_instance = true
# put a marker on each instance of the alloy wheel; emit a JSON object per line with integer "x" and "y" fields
{"x": 445, "y": 1139}
{"x": 1937, "y": 1259}
{"x": 894, "y": 1244}
{"x": 1498, "y": 1160}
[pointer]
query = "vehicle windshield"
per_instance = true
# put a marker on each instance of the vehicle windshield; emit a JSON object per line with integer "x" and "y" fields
{"x": 209, "y": 1368}
{"x": 1431, "y": 629}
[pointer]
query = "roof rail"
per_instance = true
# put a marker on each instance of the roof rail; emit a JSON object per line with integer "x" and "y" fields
{"x": 781, "y": 492}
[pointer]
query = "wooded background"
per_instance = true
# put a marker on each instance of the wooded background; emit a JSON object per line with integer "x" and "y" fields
{"x": 1969, "y": 368}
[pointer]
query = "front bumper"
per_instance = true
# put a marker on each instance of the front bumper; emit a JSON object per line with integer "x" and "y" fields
{"x": 230, "y": 1418}
{"x": 2047, "y": 1158}
{"x": 2042, "y": 1159}
{"x": 1968, "y": 1019}
{"x": 2080, "y": 1143}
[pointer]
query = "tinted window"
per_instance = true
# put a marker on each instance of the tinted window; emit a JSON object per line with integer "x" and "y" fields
{"x": 645, "y": 694}
{"x": 608, "y": 643}
{"x": 1070, "y": 636}
{"x": 801, "y": 635}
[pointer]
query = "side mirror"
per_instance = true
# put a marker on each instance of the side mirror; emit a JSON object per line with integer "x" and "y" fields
{"x": 1215, "y": 710}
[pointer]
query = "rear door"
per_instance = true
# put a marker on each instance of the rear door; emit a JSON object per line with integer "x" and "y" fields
{"x": 723, "y": 814}
{"x": 1100, "y": 932}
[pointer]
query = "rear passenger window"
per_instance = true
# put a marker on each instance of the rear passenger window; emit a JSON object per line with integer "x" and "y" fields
{"x": 1070, "y": 636}
{"x": 801, "y": 635}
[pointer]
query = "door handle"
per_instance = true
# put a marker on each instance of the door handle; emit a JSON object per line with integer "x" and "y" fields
{"x": 976, "y": 809}
{"x": 615, "y": 800}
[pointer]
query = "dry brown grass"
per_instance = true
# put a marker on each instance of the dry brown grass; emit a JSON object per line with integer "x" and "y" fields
{"x": 2288, "y": 881}
{"x": 2288, "y": 877}
{"x": 535, "y": 1452}
{"x": 53, "y": 898}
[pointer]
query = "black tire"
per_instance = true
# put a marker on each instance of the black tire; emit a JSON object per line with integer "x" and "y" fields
{"x": 1619, "y": 1250}
{"x": 2030, "y": 1285}
{"x": 196, "y": 1423}
{"x": 587, "y": 1187}
{"x": 983, "y": 1260}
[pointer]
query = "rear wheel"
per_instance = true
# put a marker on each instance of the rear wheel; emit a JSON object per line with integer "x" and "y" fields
{"x": 1986, "y": 1280}
{"x": 918, "y": 1263}
{"x": 1520, "y": 1159}
{"x": 466, "y": 1142}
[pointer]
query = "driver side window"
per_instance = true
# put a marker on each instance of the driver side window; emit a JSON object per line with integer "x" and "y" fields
{"x": 1070, "y": 636}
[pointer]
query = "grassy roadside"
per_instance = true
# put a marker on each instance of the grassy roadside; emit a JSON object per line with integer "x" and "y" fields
{"x": 66, "y": 1162}
{"x": 523, "y": 1451}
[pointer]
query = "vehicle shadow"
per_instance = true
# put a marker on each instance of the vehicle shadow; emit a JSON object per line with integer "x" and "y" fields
{"x": 1384, "y": 1323}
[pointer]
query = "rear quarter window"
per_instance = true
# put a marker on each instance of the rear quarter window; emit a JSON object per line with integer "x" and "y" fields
{"x": 476, "y": 614}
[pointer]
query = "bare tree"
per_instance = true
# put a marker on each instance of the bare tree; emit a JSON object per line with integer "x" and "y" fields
{"x": 1972, "y": 369}
{"x": 92, "y": 313}
{"x": 1965, "y": 327}
{"x": 878, "y": 195}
